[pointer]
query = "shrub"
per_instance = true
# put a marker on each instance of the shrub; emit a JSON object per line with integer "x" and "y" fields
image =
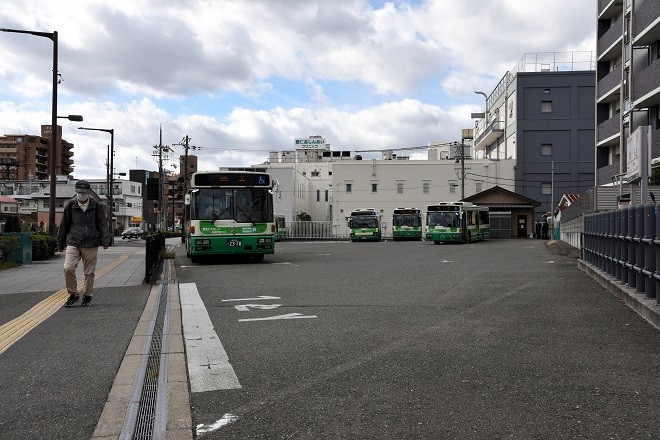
{"x": 8, "y": 244}
{"x": 43, "y": 247}
{"x": 170, "y": 234}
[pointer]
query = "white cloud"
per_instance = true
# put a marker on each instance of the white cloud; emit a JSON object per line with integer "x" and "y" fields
{"x": 249, "y": 76}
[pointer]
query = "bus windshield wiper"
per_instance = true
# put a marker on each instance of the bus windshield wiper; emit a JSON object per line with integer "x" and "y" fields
{"x": 215, "y": 217}
{"x": 246, "y": 216}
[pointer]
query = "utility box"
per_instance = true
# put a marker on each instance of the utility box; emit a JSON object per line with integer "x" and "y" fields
{"x": 24, "y": 252}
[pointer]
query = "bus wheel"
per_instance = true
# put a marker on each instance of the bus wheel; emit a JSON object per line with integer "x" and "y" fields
{"x": 436, "y": 241}
{"x": 187, "y": 252}
{"x": 469, "y": 238}
{"x": 258, "y": 258}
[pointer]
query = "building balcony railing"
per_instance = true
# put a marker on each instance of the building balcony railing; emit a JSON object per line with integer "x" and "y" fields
{"x": 608, "y": 129}
{"x": 609, "y": 45}
{"x": 490, "y": 134}
{"x": 645, "y": 87}
{"x": 610, "y": 82}
{"x": 645, "y": 22}
{"x": 605, "y": 175}
{"x": 609, "y": 8}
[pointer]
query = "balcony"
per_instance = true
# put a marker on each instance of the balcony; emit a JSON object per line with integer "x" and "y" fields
{"x": 490, "y": 134}
{"x": 609, "y": 85}
{"x": 608, "y": 131}
{"x": 609, "y": 45}
{"x": 646, "y": 23}
{"x": 646, "y": 86}
{"x": 609, "y": 8}
{"x": 604, "y": 175}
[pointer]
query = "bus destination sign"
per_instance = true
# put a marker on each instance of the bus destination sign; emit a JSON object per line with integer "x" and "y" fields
{"x": 232, "y": 179}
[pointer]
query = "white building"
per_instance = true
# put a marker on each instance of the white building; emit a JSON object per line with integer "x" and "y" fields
{"x": 328, "y": 184}
{"x": 126, "y": 201}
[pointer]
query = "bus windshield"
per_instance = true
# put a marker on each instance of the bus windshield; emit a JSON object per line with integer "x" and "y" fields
{"x": 364, "y": 222}
{"x": 444, "y": 219}
{"x": 411, "y": 220}
{"x": 240, "y": 204}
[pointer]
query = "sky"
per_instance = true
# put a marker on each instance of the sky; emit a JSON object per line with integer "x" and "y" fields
{"x": 242, "y": 78}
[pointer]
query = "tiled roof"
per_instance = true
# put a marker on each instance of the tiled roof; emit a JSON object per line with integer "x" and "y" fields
{"x": 7, "y": 199}
{"x": 61, "y": 192}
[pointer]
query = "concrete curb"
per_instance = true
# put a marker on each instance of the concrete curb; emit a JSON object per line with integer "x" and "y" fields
{"x": 645, "y": 307}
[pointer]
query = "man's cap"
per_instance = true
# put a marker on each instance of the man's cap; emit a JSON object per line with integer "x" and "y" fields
{"x": 82, "y": 186}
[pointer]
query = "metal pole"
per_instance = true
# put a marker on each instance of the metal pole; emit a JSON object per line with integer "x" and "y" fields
{"x": 110, "y": 198}
{"x": 462, "y": 168}
{"x": 53, "y": 147}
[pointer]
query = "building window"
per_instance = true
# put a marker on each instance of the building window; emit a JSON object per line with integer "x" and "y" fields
{"x": 479, "y": 186}
{"x": 399, "y": 186}
{"x": 452, "y": 187}
{"x": 318, "y": 195}
{"x": 349, "y": 187}
{"x": 546, "y": 149}
{"x": 546, "y": 188}
{"x": 315, "y": 173}
{"x": 426, "y": 185}
{"x": 374, "y": 187}
{"x": 546, "y": 106}
{"x": 326, "y": 195}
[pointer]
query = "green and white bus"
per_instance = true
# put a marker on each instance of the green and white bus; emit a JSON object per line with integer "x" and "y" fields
{"x": 280, "y": 227}
{"x": 406, "y": 224}
{"x": 458, "y": 222}
{"x": 365, "y": 225}
{"x": 229, "y": 212}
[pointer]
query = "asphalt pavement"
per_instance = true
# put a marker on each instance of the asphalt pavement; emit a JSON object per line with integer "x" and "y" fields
{"x": 58, "y": 379}
{"x": 58, "y": 364}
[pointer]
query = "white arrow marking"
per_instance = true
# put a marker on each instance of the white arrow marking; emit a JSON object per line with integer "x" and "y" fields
{"x": 287, "y": 316}
{"x": 549, "y": 262}
{"x": 253, "y": 299}
{"x": 246, "y": 307}
{"x": 447, "y": 261}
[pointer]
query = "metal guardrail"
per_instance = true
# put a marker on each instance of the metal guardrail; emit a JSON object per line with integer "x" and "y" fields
{"x": 625, "y": 244}
{"x": 155, "y": 245}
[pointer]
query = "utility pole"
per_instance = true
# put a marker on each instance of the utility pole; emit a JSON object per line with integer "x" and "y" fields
{"x": 161, "y": 182}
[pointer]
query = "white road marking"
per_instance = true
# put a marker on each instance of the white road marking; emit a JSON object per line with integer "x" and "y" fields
{"x": 287, "y": 316}
{"x": 286, "y": 262}
{"x": 246, "y": 307}
{"x": 549, "y": 262}
{"x": 253, "y": 299}
{"x": 224, "y": 421}
{"x": 208, "y": 364}
{"x": 447, "y": 261}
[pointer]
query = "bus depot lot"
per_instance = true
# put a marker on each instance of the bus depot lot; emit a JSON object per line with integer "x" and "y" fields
{"x": 392, "y": 340}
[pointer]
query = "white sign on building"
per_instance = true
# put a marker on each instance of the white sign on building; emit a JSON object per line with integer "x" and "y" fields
{"x": 637, "y": 153}
{"x": 312, "y": 142}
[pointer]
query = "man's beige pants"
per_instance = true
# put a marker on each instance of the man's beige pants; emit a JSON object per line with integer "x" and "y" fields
{"x": 72, "y": 256}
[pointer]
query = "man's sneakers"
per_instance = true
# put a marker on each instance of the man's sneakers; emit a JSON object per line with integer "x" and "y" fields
{"x": 74, "y": 298}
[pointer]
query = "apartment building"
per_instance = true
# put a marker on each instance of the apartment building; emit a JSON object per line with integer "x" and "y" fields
{"x": 541, "y": 115}
{"x": 25, "y": 156}
{"x": 628, "y": 82}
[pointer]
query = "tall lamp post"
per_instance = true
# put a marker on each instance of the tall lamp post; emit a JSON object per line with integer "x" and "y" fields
{"x": 109, "y": 175}
{"x": 53, "y": 129}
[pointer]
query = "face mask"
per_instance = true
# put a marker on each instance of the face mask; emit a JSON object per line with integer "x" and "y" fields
{"x": 82, "y": 198}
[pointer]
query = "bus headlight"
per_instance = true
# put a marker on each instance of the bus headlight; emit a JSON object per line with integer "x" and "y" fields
{"x": 203, "y": 241}
{"x": 264, "y": 240}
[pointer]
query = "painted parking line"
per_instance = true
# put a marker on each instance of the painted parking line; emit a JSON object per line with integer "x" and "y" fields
{"x": 208, "y": 364}
{"x": 15, "y": 329}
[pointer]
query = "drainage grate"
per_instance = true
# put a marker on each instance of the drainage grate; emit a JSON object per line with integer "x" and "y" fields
{"x": 144, "y": 426}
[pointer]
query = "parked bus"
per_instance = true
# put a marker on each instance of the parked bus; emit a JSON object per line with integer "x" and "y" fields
{"x": 280, "y": 227}
{"x": 364, "y": 225}
{"x": 229, "y": 212}
{"x": 407, "y": 224}
{"x": 461, "y": 222}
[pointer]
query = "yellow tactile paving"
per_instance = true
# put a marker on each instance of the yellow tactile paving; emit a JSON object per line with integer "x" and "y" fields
{"x": 15, "y": 329}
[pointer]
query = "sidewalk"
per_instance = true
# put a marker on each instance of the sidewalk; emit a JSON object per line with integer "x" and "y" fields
{"x": 119, "y": 265}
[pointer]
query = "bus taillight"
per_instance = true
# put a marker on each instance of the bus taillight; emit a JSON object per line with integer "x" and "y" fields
{"x": 272, "y": 228}
{"x": 191, "y": 229}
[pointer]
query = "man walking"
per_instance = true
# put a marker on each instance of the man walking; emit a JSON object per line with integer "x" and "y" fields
{"x": 83, "y": 229}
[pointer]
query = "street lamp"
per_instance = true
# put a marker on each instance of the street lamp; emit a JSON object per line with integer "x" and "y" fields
{"x": 109, "y": 174}
{"x": 53, "y": 129}
{"x": 76, "y": 118}
{"x": 486, "y": 107}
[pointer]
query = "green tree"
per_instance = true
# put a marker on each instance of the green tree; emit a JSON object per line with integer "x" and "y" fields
{"x": 304, "y": 217}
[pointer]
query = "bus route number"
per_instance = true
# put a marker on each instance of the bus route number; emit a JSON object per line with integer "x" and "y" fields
{"x": 234, "y": 242}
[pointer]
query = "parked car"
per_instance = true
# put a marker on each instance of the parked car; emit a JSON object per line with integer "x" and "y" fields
{"x": 132, "y": 233}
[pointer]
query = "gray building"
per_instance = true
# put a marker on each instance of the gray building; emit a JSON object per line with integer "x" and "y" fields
{"x": 541, "y": 114}
{"x": 628, "y": 81}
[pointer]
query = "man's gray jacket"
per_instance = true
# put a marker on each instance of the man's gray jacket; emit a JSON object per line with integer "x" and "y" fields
{"x": 83, "y": 228}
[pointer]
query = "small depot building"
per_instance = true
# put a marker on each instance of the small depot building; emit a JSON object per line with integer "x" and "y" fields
{"x": 511, "y": 215}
